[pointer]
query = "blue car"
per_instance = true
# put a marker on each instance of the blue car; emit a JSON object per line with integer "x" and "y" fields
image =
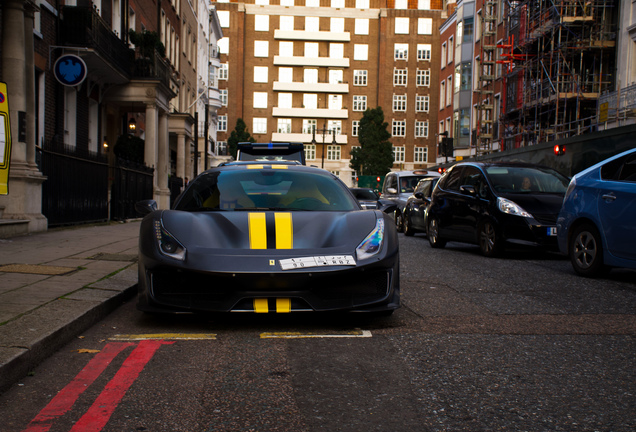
{"x": 596, "y": 226}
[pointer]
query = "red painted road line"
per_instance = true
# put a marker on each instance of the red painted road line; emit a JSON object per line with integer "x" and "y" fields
{"x": 65, "y": 399}
{"x": 98, "y": 414}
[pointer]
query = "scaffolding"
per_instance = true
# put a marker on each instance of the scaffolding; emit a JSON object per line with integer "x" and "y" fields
{"x": 486, "y": 122}
{"x": 562, "y": 58}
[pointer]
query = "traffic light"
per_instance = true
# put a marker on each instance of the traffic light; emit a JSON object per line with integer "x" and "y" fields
{"x": 377, "y": 179}
{"x": 446, "y": 147}
{"x": 559, "y": 150}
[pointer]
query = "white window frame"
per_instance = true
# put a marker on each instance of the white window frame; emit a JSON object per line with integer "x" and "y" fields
{"x": 222, "y": 123}
{"x": 261, "y": 48}
{"x": 361, "y": 52}
{"x": 310, "y": 100}
{"x": 223, "y": 96}
{"x": 400, "y": 76}
{"x": 359, "y": 103}
{"x": 285, "y": 100}
{"x": 400, "y": 51}
{"x": 261, "y": 22}
{"x": 399, "y": 154}
{"x": 361, "y": 26}
{"x": 425, "y": 26}
{"x": 360, "y": 77}
{"x": 355, "y": 127}
{"x": 286, "y": 23}
{"x": 261, "y": 74}
{"x": 336, "y": 25}
{"x": 422, "y": 103}
{"x": 260, "y": 100}
{"x": 310, "y": 151}
{"x": 420, "y": 154}
{"x": 399, "y": 103}
{"x": 421, "y": 128}
{"x": 398, "y": 128}
{"x": 424, "y": 52}
{"x": 259, "y": 125}
{"x": 285, "y": 74}
{"x": 312, "y": 24}
{"x": 309, "y": 125}
{"x": 312, "y": 50}
{"x": 286, "y": 49}
{"x": 334, "y": 152}
{"x": 402, "y": 25}
{"x": 423, "y": 77}
{"x": 284, "y": 125}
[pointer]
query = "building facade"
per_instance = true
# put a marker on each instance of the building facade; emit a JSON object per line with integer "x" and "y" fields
{"x": 306, "y": 70}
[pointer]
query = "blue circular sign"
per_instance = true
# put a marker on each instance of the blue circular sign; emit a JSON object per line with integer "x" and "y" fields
{"x": 70, "y": 70}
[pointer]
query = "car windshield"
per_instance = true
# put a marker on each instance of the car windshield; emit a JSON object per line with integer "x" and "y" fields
{"x": 265, "y": 188}
{"x": 526, "y": 180}
{"x": 408, "y": 183}
{"x": 364, "y": 194}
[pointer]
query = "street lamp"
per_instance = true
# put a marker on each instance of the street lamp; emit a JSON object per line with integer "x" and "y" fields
{"x": 324, "y": 132}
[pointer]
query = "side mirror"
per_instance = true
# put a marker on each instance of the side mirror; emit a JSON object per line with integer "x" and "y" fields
{"x": 146, "y": 207}
{"x": 391, "y": 190}
{"x": 468, "y": 190}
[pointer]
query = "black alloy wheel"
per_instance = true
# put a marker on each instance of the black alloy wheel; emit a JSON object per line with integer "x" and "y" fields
{"x": 399, "y": 221}
{"x": 433, "y": 234}
{"x": 490, "y": 242}
{"x": 586, "y": 251}
{"x": 408, "y": 227}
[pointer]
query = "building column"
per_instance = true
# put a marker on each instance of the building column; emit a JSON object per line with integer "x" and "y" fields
{"x": 24, "y": 200}
{"x": 151, "y": 142}
{"x": 181, "y": 156}
{"x": 163, "y": 162}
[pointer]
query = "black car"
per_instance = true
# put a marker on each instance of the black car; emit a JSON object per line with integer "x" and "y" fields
{"x": 491, "y": 203}
{"x": 416, "y": 209}
{"x": 367, "y": 197}
{"x": 264, "y": 152}
{"x": 267, "y": 237}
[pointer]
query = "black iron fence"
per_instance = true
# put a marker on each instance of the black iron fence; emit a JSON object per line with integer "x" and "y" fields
{"x": 132, "y": 182}
{"x": 76, "y": 188}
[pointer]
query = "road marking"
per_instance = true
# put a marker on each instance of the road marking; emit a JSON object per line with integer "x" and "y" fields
{"x": 102, "y": 409}
{"x": 164, "y": 336}
{"x": 300, "y": 335}
{"x": 64, "y": 400}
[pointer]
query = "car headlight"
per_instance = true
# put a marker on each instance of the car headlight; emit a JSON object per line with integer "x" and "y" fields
{"x": 511, "y": 208}
{"x": 372, "y": 244}
{"x": 168, "y": 245}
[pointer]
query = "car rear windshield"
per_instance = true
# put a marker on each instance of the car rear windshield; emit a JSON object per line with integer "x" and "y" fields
{"x": 269, "y": 188}
{"x": 526, "y": 180}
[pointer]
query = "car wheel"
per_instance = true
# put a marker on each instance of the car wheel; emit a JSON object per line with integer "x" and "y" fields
{"x": 408, "y": 228}
{"x": 586, "y": 251}
{"x": 433, "y": 234}
{"x": 399, "y": 221}
{"x": 490, "y": 241}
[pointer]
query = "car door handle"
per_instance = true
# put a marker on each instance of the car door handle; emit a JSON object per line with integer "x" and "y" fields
{"x": 609, "y": 197}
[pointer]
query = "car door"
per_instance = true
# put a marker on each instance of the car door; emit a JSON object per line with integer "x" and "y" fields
{"x": 448, "y": 201}
{"x": 418, "y": 205}
{"x": 617, "y": 208}
{"x": 469, "y": 205}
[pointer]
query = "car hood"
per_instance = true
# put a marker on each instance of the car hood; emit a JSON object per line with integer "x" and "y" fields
{"x": 544, "y": 207}
{"x": 307, "y": 230}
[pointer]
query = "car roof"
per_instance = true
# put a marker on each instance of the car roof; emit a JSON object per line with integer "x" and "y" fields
{"x": 419, "y": 172}
{"x": 290, "y": 165}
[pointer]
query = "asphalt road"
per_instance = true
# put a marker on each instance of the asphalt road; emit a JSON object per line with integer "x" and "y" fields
{"x": 515, "y": 344}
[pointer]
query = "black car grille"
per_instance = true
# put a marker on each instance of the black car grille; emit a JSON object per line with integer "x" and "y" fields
{"x": 546, "y": 219}
{"x": 221, "y": 292}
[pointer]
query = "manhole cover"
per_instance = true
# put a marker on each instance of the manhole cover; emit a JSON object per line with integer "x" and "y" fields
{"x": 36, "y": 269}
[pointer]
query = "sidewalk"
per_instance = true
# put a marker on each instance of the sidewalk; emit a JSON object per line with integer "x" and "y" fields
{"x": 54, "y": 285}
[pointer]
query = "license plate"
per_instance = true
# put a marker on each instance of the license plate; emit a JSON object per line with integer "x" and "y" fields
{"x": 552, "y": 231}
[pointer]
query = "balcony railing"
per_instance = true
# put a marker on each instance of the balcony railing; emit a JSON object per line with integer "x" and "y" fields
{"x": 81, "y": 26}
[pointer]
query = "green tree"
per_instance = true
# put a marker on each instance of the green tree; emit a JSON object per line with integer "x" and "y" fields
{"x": 375, "y": 154}
{"x": 239, "y": 134}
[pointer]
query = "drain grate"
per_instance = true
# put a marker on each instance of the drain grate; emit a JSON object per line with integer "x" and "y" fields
{"x": 36, "y": 269}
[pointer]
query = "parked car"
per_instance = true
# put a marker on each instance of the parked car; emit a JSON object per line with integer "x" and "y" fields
{"x": 399, "y": 186}
{"x": 597, "y": 223}
{"x": 261, "y": 237}
{"x": 416, "y": 209}
{"x": 367, "y": 197}
{"x": 492, "y": 203}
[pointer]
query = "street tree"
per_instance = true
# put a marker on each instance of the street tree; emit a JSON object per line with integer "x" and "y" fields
{"x": 239, "y": 134}
{"x": 375, "y": 154}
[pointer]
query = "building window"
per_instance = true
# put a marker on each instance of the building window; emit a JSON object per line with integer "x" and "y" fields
{"x": 423, "y": 78}
{"x": 337, "y": 3}
{"x": 224, "y": 18}
{"x": 286, "y": 23}
{"x": 420, "y": 155}
{"x": 309, "y": 125}
{"x": 260, "y": 100}
{"x": 425, "y": 26}
{"x": 223, "y": 97}
{"x": 336, "y": 25}
{"x": 286, "y": 49}
{"x": 312, "y": 24}
{"x": 286, "y": 2}
{"x": 284, "y": 125}
{"x": 310, "y": 151}
{"x": 261, "y": 22}
{"x": 360, "y": 77}
{"x": 336, "y": 76}
{"x": 421, "y": 103}
{"x": 442, "y": 95}
{"x": 401, "y": 4}
{"x": 355, "y": 127}
{"x": 311, "y": 49}
{"x": 221, "y": 148}
{"x": 260, "y": 74}
{"x": 449, "y": 90}
{"x": 285, "y": 100}
{"x": 333, "y": 152}
{"x": 400, "y": 77}
{"x": 421, "y": 129}
{"x": 310, "y": 100}
{"x": 401, "y": 51}
{"x": 399, "y": 103}
{"x": 336, "y": 50}
{"x": 362, "y": 4}
{"x": 401, "y": 26}
{"x": 285, "y": 74}
{"x": 398, "y": 154}
{"x": 312, "y": 3}
{"x": 362, "y": 26}
{"x": 223, "y": 71}
{"x": 262, "y": 2}
{"x": 398, "y": 128}
{"x": 222, "y": 124}
{"x": 361, "y": 52}
{"x": 310, "y": 76}
{"x": 70, "y": 116}
{"x": 443, "y": 55}
{"x": 335, "y": 102}
{"x": 259, "y": 125}
{"x": 335, "y": 125}
{"x": 359, "y": 103}
{"x": 223, "y": 44}
{"x": 423, "y": 52}
{"x": 261, "y": 49}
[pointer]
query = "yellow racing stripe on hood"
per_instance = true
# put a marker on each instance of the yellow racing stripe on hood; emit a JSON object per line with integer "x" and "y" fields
{"x": 284, "y": 231}
{"x": 258, "y": 230}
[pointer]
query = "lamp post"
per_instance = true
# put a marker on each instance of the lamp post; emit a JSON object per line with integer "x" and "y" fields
{"x": 324, "y": 132}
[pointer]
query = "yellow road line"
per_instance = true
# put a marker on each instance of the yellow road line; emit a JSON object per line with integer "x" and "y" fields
{"x": 300, "y": 335}
{"x": 164, "y": 336}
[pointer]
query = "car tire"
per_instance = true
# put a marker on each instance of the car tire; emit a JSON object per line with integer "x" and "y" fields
{"x": 408, "y": 228}
{"x": 399, "y": 221}
{"x": 432, "y": 233}
{"x": 489, "y": 239}
{"x": 586, "y": 251}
